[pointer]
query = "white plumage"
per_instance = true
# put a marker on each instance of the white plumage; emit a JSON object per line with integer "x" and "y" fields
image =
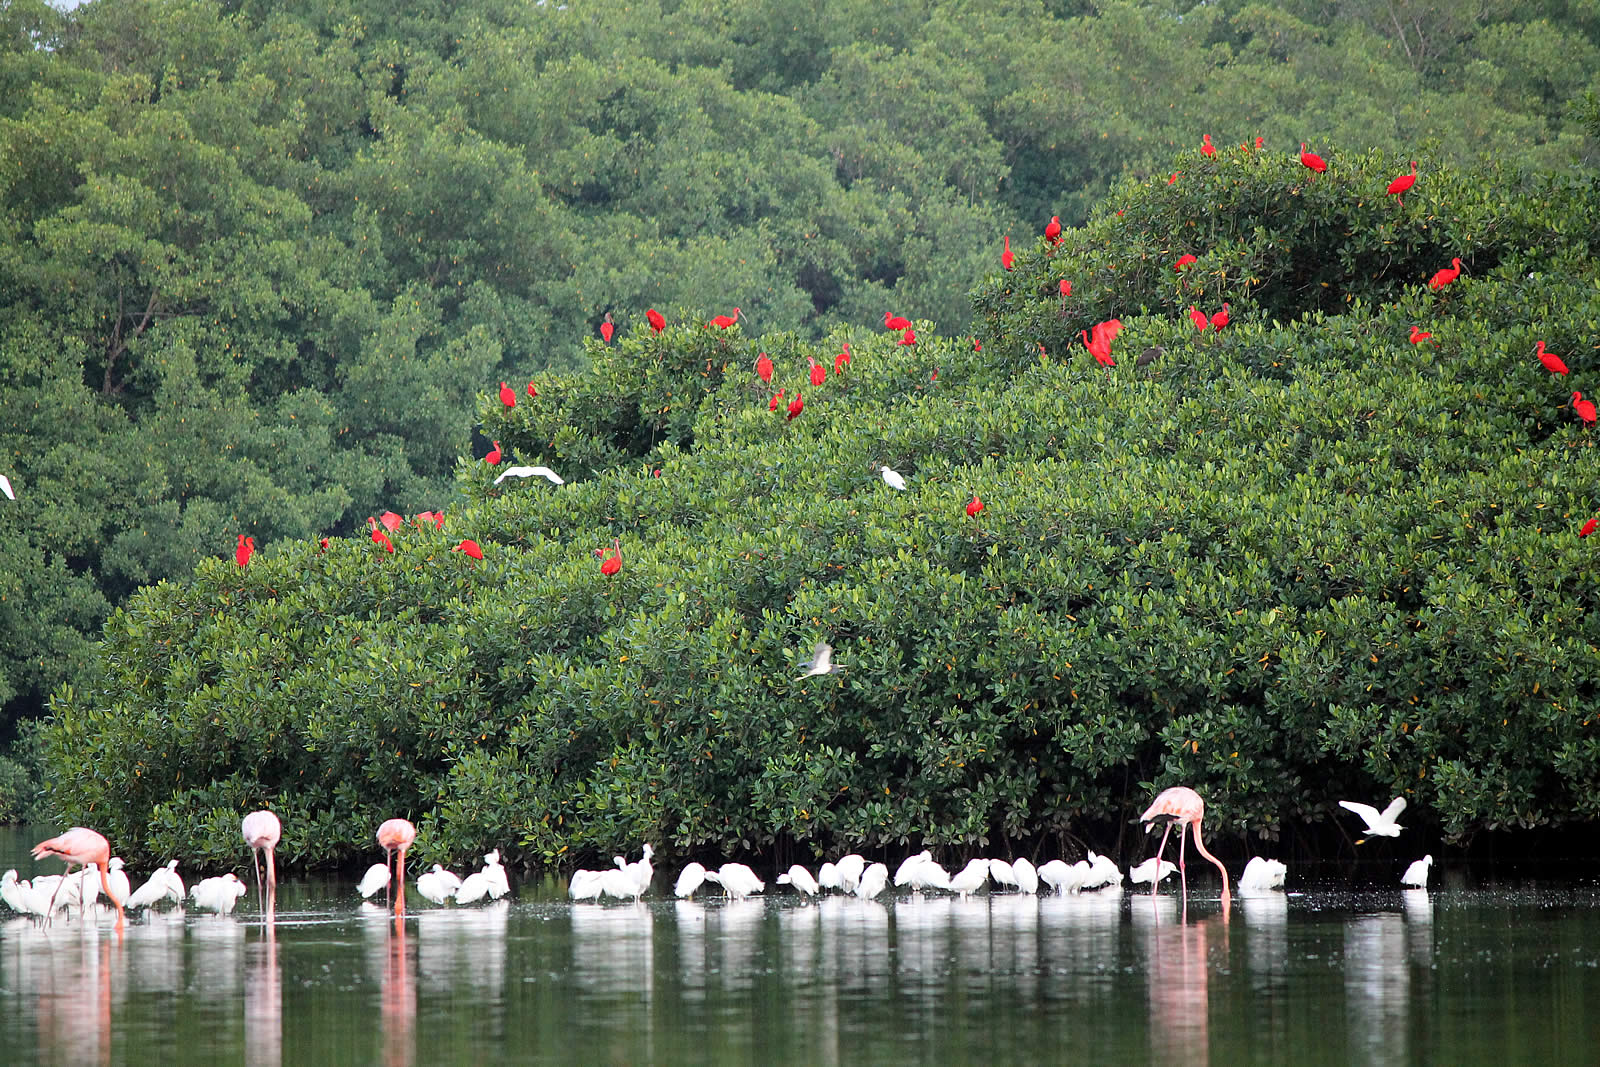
{"x": 970, "y": 878}
{"x": 164, "y": 884}
{"x": 530, "y": 472}
{"x": 1262, "y": 874}
{"x": 893, "y": 479}
{"x": 1145, "y": 873}
{"x": 800, "y": 878}
{"x": 1379, "y": 823}
{"x": 376, "y": 878}
{"x": 218, "y": 894}
{"x": 692, "y": 877}
{"x": 874, "y": 880}
{"x": 438, "y": 885}
{"x": 1027, "y": 877}
{"x": 1417, "y": 874}
{"x": 736, "y": 880}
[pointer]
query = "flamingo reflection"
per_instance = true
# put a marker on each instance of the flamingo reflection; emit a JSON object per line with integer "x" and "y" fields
{"x": 1178, "y": 971}
{"x": 263, "y": 1002}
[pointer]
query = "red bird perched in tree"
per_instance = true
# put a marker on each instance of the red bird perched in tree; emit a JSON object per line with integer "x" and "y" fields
{"x": 655, "y": 319}
{"x": 1052, "y": 232}
{"x": 764, "y": 368}
{"x": 1311, "y": 161}
{"x": 533, "y": 394}
{"x": 977, "y": 346}
{"x": 842, "y": 360}
{"x": 391, "y": 521}
{"x": 1199, "y": 319}
{"x": 1551, "y": 361}
{"x": 470, "y": 547}
{"x": 1099, "y": 343}
{"x": 244, "y": 550}
{"x": 974, "y": 506}
{"x": 910, "y": 337}
{"x": 1205, "y": 145}
{"x": 772, "y": 405}
{"x": 1584, "y": 408}
{"x": 380, "y": 538}
{"x": 1417, "y": 336}
{"x": 322, "y": 545}
{"x": 895, "y": 322}
{"x": 435, "y": 517}
{"x": 1174, "y": 179}
{"x": 1261, "y": 141}
{"x": 607, "y": 328}
{"x": 493, "y": 458}
{"x": 613, "y": 561}
{"x": 1221, "y": 318}
{"x": 1403, "y": 184}
{"x": 724, "y": 321}
{"x": 1588, "y": 527}
{"x": 1006, "y": 258}
{"x": 819, "y": 373}
{"x": 1444, "y": 277}
{"x": 796, "y": 406}
{"x": 1066, "y": 288}
{"x": 507, "y": 397}
{"x": 1183, "y": 261}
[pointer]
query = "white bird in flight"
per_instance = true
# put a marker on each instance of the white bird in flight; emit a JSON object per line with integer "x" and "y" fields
{"x": 530, "y": 472}
{"x": 821, "y": 661}
{"x": 1417, "y": 873}
{"x": 1379, "y": 823}
{"x": 893, "y": 479}
{"x": 5, "y": 487}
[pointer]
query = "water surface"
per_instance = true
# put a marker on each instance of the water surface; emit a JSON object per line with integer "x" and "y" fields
{"x": 1493, "y": 976}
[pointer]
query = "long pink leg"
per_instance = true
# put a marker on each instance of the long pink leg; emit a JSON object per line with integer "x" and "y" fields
{"x": 1183, "y": 875}
{"x": 1162, "y": 851}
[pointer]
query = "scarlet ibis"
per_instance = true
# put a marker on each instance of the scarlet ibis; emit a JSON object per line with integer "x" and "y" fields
{"x": 1221, "y": 318}
{"x": 819, "y": 373}
{"x": 494, "y": 456}
{"x": 613, "y": 561}
{"x": 764, "y": 367}
{"x": 796, "y": 406}
{"x": 772, "y": 405}
{"x": 656, "y": 320}
{"x": 1174, "y": 179}
{"x": 381, "y": 538}
{"x": 1052, "y": 232}
{"x": 974, "y": 506}
{"x": 1066, "y": 288}
{"x": 322, "y": 545}
{"x": 533, "y": 394}
{"x": 895, "y": 322}
{"x": 435, "y": 517}
{"x": 1260, "y": 141}
{"x": 1417, "y": 336}
{"x": 1551, "y": 361}
{"x": 1183, "y": 261}
{"x": 1444, "y": 277}
{"x": 910, "y": 337}
{"x": 244, "y": 550}
{"x": 1584, "y": 408}
{"x": 1588, "y": 527}
{"x": 1402, "y": 184}
{"x": 977, "y": 346}
{"x": 391, "y": 521}
{"x": 724, "y": 321}
{"x": 841, "y": 360}
{"x": 469, "y": 547}
{"x": 607, "y": 328}
{"x": 1006, "y": 258}
{"x": 1205, "y": 145}
{"x": 1099, "y": 345}
{"x": 507, "y": 397}
{"x": 1311, "y": 161}
{"x": 1199, "y": 319}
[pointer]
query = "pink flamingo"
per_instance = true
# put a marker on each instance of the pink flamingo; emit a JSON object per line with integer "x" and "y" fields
{"x": 395, "y": 836}
{"x": 1183, "y": 806}
{"x": 79, "y": 847}
{"x": 261, "y": 831}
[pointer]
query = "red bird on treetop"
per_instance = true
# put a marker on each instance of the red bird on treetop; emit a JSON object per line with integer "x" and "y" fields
{"x": 435, "y": 517}
{"x": 1401, "y": 185}
{"x": 1417, "y": 336}
{"x": 764, "y": 367}
{"x": 613, "y": 561}
{"x": 1584, "y": 408}
{"x": 1183, "y": 261}
{"x": 470, "y": 547}
{"x": 909, "y": 338}
{"x": 507, "y": 397}
{"x": 1311, "y": 160}
{"x": 819, "y": 373}
{"x": 1174, "y": 179}
{"x": 1052, "y": 232}
{"x": 1588, "y": 527}
{"x": 391, "y": 521}
{"x": 1551, "y": 361}
{"x": 1442, "y": 278}
{"x": 607, "y": 328}
{"x": 796, "y": 406}
{"x": 1006, "y": 258}
{"x": 725, "y": 321}
{"x": 1205, "y": 145}
{"x": 493, "y": 458}
{"x": 380, "y": 538}
{"x": 533, "y": 394}
{"x": 842, "y": 360}
{"x": 1199, "y": 319}
{"x": 1221, "y": 318}
{"x": 974, "y": 506}
{"x": 244, "y": 550}
{"x": 1066, "y": 288}
{"x": 772, "y": 405}
{"x": 656, "y": 320}
{"x": 895, "y": 322}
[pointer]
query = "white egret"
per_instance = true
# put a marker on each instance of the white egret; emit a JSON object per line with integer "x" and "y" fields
{"x": 922, "y": 872}
{"x": 893, "y": 479}
{"x": 1103, "y": 872}
{"x": 850, "y": 868}
{"x": 970, "y": 878}
{"x": 376, "y": 878}
{"x": 902, "y": 873}
{"x": 874, "y": 880}
{"x": 5, "y": 487}
{"x": 800, "y": 878}
{"x": 692, "y": 877}
{"x": 15, "y": 893}
{"x": 1057, "y": 874}
{"x": 117, "y": 887}
{"x": 821, "y": 662}
{"x": 1262, "y": 874}
{"x": 640, "y": 872}
{"x": 438, "y": 885}
{"x": 164, "y": 884}
{"x": 828, "y": 876}
{"x": 494, "y": 873}
{"x": 736, "y": 880}
{"x": 1417, "y": 874}
{"x": 585, "y": 885}
{"x": 218, "y": 894}
{"x": 618, "y": 883}
{"x": 530, "y": 472}
{"x": 1379, "y": 823}
{"x": 1002, "y": 872}
{"x": 1027, "y": 877}
{"x": 1145, "y": 872}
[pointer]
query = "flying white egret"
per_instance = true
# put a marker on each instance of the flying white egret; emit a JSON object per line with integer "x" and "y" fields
{"x": 736, "y": 880}
{"x": 1417, "y": 873}
{"x": 1027, "y": 877}
{"x": 218, "y": 894}
{"x": 874, "y": 880}
{"x": 1379, "y": 824}
{"x": 530, "y": 472}
{"x": 692, "y": 877}
{"x": 893, "y": 479}
{"x": 376, "y": 878}
{"x": 800, "y": 878}
{"x": 821, "y": 662}
{"x": 1262, "y": 874}
{"x": 970, "y": 878}
{"x": 1145, "y": 872}
{"x": 438, "y": 885}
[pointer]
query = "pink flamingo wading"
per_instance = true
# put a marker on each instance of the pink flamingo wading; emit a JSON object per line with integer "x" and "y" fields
{"x": 261, "y": 831}
{"x": 1183, "y": 806}
{"x": 80, "y": 847}
{"x": 395, "y": 836}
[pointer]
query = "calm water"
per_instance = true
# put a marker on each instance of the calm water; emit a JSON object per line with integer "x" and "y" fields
{"x": 1452, "y": 976}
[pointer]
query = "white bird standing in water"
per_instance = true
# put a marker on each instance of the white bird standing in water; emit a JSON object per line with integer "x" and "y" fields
{"x": 530, "y": 472}
{"x": 736, "y": 880}
{"x": 438, "y": 885}
{"x": 874, "y": 880}
{"x": 117, "y": 887}
{"x": 692, "y": 877}
{"x": 821, "y": 661}
{"x": 1145, "y": 872}
{"x": 376, "y": 878}
{"x": 1262, "y": 874}
{"x": 893, "y": 479}
{"x": 849, "y": 869}
{"x": 164, "y": 884}
{"x": 800, "y": 878}
{"x": 1379, "y": 824}
{"x": 218, "y": 894}
{"x": 1027, "y": 877}
{"x": 970, "y": 878}
{"x": 639, "y": 872}
{"x": 585, "y": 885}
{"x": 1417, "y": 874}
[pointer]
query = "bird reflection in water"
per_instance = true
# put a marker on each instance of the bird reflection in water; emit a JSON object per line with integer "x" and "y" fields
{"x": 67, "y": 968}
{"x": 1177, "y": 966}
{"x": 263, "y": 1002}
{"x": 399, "y": 1000}
{"x": 1377, "y": 987}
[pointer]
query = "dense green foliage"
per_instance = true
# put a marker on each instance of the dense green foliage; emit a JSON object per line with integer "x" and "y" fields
{"x": 257, "y": 259}
{"x": 1295, "y": 560}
